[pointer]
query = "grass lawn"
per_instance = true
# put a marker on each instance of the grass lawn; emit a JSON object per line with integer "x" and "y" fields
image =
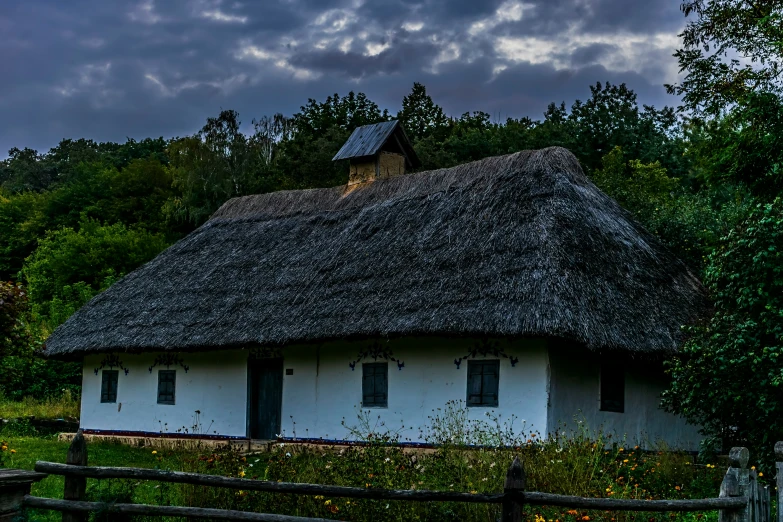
{"x": 53, "y": 408}
{"x": 31, "y": 449}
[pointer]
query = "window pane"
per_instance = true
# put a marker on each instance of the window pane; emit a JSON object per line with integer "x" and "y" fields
{"x": 109, "y": 385}
{"x": 166, "y": 386}
{"x": 483, "y": 383}
{"x": 375, "y": 384}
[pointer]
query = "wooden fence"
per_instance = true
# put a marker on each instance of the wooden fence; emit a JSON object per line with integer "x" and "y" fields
{"x": 741, "y": 499}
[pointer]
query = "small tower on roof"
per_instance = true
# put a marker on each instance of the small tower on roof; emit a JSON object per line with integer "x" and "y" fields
{"x": 377, "y": 151}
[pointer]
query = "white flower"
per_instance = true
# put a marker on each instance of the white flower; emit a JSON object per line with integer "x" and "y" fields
{"x": 287, "y": 454}
{"x": 492, "y": 465}
{"x": 387, "y": 459}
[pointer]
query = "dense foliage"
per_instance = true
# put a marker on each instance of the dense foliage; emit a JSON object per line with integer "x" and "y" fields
{"x": 729, "y": 376}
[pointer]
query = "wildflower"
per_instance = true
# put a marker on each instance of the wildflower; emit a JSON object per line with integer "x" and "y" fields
{"x": 677, "y": 488}
{"x": 13, "y": 451}
{"x": 608, "y": 489}
{"x": 620, "y": 450}
{"x": 3, "y": 448}
{"x": 484, "y": 479}
{"x": 473, "y": 492}
{"x": 288, "y": 455}
{"x": 319, "y": 497}
{"x": 753, "y": 467}
{"x": 242, "y": 473}
{"x": 154, "y": 452}
{"x": 761, "y": 474}
{"x": 626, "y": 460}
{"x": 572, "y": 512}
{"x": 492, "y": 465}
{"x": 334, "y": 509}
{"x": 585, "y": 518}
{"x": 327, "y": 503}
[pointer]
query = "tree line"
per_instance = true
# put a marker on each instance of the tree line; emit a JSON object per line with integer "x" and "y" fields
{"x": 706, "y": 178}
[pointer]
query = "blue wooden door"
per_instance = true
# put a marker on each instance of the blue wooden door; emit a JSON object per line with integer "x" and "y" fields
{"x": 266, "y": 398}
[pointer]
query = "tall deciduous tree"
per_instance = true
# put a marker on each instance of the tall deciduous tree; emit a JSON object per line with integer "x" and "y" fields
{"x": 730, "y": 49}
{"x": 421, "y": 117}
{"x": 728, "y": 379}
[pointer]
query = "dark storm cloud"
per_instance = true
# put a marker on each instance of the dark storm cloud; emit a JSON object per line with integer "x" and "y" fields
{"x": 107, "y": 71}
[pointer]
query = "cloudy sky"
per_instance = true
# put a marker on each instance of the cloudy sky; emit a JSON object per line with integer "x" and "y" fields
{"x": 107, "y": 69}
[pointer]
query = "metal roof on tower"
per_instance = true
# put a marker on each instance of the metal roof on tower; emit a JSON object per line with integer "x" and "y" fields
{"x": 368, "y": 140}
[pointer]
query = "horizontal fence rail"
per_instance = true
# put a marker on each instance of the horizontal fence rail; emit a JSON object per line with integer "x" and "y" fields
{"x": 160, "y": 511}
{"x": 527, "y": 497}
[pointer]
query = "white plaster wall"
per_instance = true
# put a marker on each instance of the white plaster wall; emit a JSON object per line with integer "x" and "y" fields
{"x": 323, "y": 389}
{"x": 215, "y": 384}
{"x": 575, "y": 396}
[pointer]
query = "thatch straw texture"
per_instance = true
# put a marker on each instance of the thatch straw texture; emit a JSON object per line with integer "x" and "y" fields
{"x": 517, "y": 245}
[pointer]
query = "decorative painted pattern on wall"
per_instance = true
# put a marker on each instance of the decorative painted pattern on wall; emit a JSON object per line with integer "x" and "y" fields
{"x": 112, "y": 360}
{"x": 376, "y": 351}
{"x": 168, "y": 360}
{"x": 484, "y": 348}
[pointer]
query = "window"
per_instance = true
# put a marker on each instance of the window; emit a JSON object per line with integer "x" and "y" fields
{"x": 375, "y": 385}
{"x": 612, "y": 386}
{"x": 483, "y": 377}
{"x": 167, "y": 380}
{"x": 109, "y": 385}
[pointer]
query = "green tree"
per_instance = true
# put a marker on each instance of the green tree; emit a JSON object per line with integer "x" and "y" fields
{"x": 744, "y": 146}
{"x": 730, "y": 49}
{"x": 211, "y": 167}
{"x": 728, "y": 378}
{"x": 70, "y": 266}
{"x": 689, "y": 223}
{"x": 421, "y": 117}
{"x": 14, "y": 335}
{"x": 25, "y": 170}
{"x": 22, "y": 222}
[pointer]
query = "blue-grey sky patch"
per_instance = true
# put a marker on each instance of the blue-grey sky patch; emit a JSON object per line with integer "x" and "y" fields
{"x": 111, "y": 71}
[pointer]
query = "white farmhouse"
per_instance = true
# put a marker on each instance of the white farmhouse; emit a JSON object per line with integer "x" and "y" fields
{"x": 512, "y": 284}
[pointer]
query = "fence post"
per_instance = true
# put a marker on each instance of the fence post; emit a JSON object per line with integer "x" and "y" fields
{"x": 736, "y": 483}
{"x": 14, "y": 485}
{"x": 514, "y": 488}
{"x": 75, "y": 486}
{"x": 779, "y": 477}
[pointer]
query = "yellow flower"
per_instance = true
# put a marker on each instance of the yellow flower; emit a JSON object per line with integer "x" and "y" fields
{"x": 3, "y": 448}
{"x": 242, "y": 473}
{"x": 326, "y": 503}
{"x": 473, "y": 492}
{"x": 319, "y": 497}
{"x": 620, "y": 450}
{"x": 626, "y": 460}
{"x": 13, "y": 451}
{"x": 761, "y": 474}
{"x": 154, "y": 452}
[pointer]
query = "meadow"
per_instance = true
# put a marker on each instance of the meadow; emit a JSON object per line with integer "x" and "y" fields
{"x": 583, "y": 463}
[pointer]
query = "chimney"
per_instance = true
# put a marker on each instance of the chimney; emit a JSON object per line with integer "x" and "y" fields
{"x": 377, "y": 151}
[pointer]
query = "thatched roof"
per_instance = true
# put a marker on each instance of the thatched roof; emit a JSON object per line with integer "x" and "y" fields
{"x": 517, "y": 245}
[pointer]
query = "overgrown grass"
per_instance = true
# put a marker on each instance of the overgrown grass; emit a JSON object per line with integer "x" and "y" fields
{"x": 576, "y": 463}
{"x": 66, "y": 405}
